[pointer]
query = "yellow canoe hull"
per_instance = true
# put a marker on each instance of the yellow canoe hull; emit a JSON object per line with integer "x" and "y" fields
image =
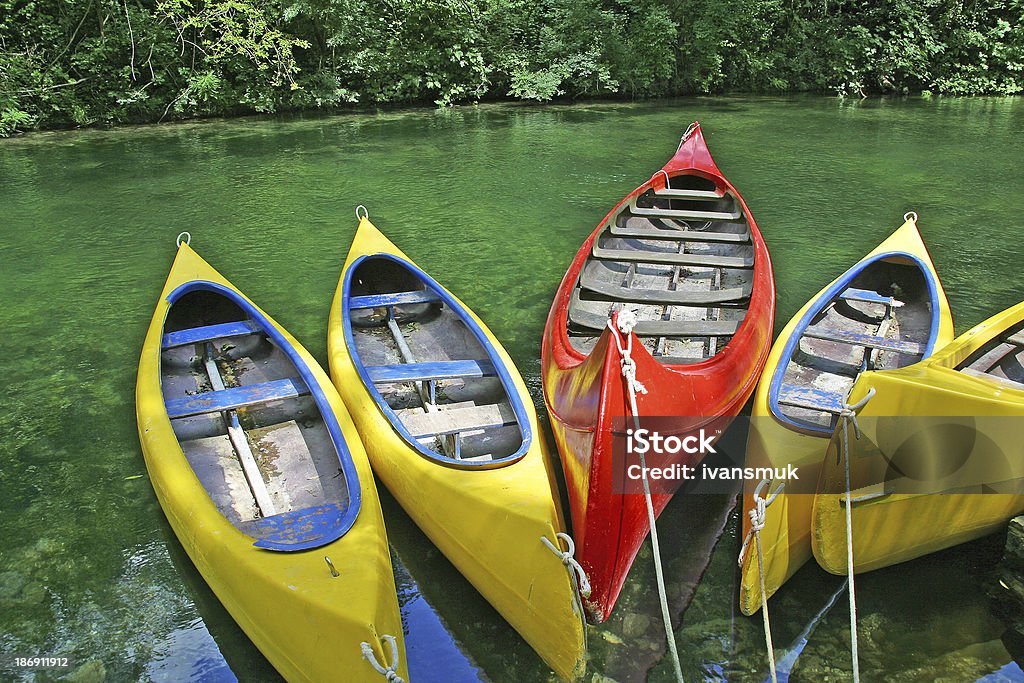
{"x": 487, "y": 522}
{"x": 786, "y": 537}
{"x": 308, "y": 623}
{"x": 954, "y": 454}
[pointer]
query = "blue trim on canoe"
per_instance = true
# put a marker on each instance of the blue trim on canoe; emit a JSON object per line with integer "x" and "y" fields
{"x": 344, "y": 519}
{"x": 235, "y": 397}
{"x": 423, "y": 296}
{"x": 298, "y": 529}
{"x": 829, "y": 295}
{"x": 502, "y": 372}
{"x": 425, "y": 372}
{"x": 207, "y": 333}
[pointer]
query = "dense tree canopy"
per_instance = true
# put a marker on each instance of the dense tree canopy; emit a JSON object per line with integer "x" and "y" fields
{"x": 82, "y": 62}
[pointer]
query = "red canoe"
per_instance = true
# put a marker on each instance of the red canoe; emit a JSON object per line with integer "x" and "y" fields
{"x": 683, "y": 252}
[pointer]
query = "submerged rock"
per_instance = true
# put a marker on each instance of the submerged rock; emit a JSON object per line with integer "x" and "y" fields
{"x": 635, "y": 625}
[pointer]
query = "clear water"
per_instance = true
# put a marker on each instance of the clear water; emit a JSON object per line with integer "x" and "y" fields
{"x": 493, "y": 201}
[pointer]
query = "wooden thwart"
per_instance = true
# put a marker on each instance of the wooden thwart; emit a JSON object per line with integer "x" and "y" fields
{"x": 420, "y": 296}
{"x": 422, "y": 372}
{"x": 458, "y": 420}
{"x": 207, "y": 333}
{"x": 680, "y": 235}
{"x": 236, "y": 397}
{"x": 672, "y": 258}
{"x": 688, "y": 214}
{"x": 811, "y": 399}
{"x": 657, "y": 328}
{"x": 697, "y": 195}
{"x": 590, "y": 281}
{"x": 867, "y": 340}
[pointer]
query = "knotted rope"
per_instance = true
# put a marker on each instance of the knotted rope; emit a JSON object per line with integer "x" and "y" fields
{"x": 568, "y": 559}
{"x": 391, "y": 672}
{"x": 624, "y": 324}
{"x": 757, "y": 520}
{"x": 848, "y": 416}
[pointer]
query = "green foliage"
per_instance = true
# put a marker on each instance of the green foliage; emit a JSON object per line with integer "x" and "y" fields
{"x": 86, "y": 62}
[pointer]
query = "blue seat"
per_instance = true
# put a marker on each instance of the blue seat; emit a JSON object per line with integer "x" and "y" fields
{"x": 298, "y": 529}
{"x": 421, "y": 296}
{"x": 236, "y": 397}
{"x": 812, "y": 399}
{"x": 425, "y": 372}
{"x": 866, "y": 295}
{"x": 198, "y": 335}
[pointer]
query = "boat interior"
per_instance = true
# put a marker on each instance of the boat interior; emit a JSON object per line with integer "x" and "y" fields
{"x": 879, "y": 320}
{"x": 429, "y": 367}
{"x": 1001, "y": 360}
{"x": 682, "y": 258}
{"x": 247, "y": 422}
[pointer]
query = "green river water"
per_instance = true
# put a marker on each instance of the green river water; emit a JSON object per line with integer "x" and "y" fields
{"x": 493, "y": 201}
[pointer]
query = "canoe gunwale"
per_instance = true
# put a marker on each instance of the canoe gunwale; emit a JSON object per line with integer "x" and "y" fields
{"x": 388, "y": 412}
{"x": 831, "y": 294}
{"x": 347, "y": 518}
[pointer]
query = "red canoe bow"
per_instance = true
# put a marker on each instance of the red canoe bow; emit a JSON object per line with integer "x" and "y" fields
{"x": 683, "y": 252}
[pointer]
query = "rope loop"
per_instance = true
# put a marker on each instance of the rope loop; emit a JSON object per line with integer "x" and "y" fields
{"x": 391, "y": 672}
{"x": 849, "y": 412}
{"x": 624, "y": 323}
{"x": 689, "y": 131}
{"x": 910, "y": 216}
{"x": 758, "y": 513}
{"x": 364, "y": 214}
{"x": 188, "y": 238}
{"x": 664, "y": 173}
{"x": 568, "y": 559}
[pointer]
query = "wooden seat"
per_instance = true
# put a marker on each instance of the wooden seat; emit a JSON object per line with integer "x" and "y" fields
{"x": 812, "y": 399}
{"x": 591, "y": 281}
{"x": 679, "y": 235}
{"x": 441, "y": 422}
{"x": 696, "y": 195}
{"x": 867, "y": 340}
{"x": 867, "y": 296}
{"x": 656, "y": 328}
{"x": 198, "y": 335}
{"x": 294, "y": 530}
{"x": 236, "y": 397}
{"x": 670, "y": 258}
{"x": 425, "y": 372}
{"x": 420, "y": 296}
{"x": 735, "y": 216}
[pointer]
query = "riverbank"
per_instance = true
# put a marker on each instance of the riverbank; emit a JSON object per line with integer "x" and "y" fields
{"x": 100, "y": 62}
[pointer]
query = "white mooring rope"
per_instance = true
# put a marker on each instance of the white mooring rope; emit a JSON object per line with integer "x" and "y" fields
{"x": 568, "y": 559}
{"x": 757, "y": 517}
{"x": 627, "y": 320}
{"x": 391, "y": 672}
{"x": 848, "y": 415}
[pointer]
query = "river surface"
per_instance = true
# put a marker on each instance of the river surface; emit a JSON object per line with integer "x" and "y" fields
{"x": 493, "y": 201}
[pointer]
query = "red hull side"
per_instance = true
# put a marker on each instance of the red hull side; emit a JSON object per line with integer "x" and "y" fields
{"x": 584, "y": 394}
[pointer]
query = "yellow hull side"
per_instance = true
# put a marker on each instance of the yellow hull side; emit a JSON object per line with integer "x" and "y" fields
{"x": 488, "y": 523}
{"x": 894, "y": 528}
{"x": 786, "y": 538}
{"x": 307, "y": 623}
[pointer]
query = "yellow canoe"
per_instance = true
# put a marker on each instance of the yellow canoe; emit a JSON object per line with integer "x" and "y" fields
{"x": 263, "y": 478}
{"x": 451, "y": 430}
{"x": 888, "y": 310}
{"x": 956, "y": 436}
